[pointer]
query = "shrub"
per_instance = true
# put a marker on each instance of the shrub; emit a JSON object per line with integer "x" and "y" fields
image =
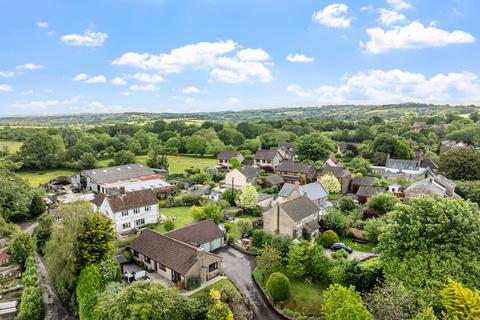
{"x": 373, "y": 229}
{"x": 278, "y": 286}
{"x": 31, "y": 305}
{"x": 347, "y": 204}
{"x": 336, "y": 219}
{"x": 382, "y": 202}
{"x": 169, "y": 225}
{"x": 329, "y": 237}
{"x": 193, "y": 283}
{"x": 340, "y": 255}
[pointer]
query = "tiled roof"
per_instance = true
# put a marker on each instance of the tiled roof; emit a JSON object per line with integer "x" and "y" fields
{"x": 291, "y": 166}
{"x": 4, "y": 256}
{"x": 118, "y": 173}
{"x": 249, "y": 172}
{"x": 363, "y": 181}
{"x": 299, "y": 208}
{"x": 128, "y": 201}
{"x": 402, "y": 164}
{"x": 369, "y": 191}
{"x": 312, "y": 225}
{"x": 425, "y": 187}
{"x": 314, "y": 190}
{"x": 197, "y": 233}
{"x": 265, "y": 154}
{"x": 336, "y": 171}
{"x": 227, "y": 155}
{"x": 274, "y": 179}
{"x": 264, "y": 196}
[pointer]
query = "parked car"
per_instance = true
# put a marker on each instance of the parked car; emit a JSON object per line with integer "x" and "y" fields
{"x": 340, "y": 245}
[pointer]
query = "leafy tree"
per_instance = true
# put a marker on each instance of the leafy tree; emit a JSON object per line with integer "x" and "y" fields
{"x": 229, "y": 195}
{"x": 336, "y": 219}
{"x": 382, "y": 202}
{"x": 342, "y": 303}
{"x": 278, "y": 286}
{"x": 42, "y": 151}
{"x": 469, "y": 190}
{"x": 373, "y": 229}
{"x": 347, "y": 204}
{"x": 359, "y": 165}
{"x": 87, "y": 161}
{"x": 387, "y": 144}
{"x": 363, "y": 278}
{"x": 15, "y": 196}
{"x": 157, "y": 158}
{"x": 314, "y": 147}
{"x": 7, "y": 229}
{"x": 123, "y": 157}
{"x": 248, "y": 129}
{"x": 196, "y": 144}
{"x": 209, "y": 211}
{"x": 460, "y": 164}
{"x": 21, "y": 246}
{"x": 31, "y": 304}
{"x": 144, "y": 300}
{"x": 88, "y": 289}
{"x": 297, "y": 259}
{"x": 431, "y": 240}
{"x": 328, "y": 238}
{"x": 43, "y": 230}
{"x": 234, "y": 163}
{"x": 215, "y": 146}
{"x": 269, "y": 261}
{"x": 460, "y": 302}
{"x": 95, "y": 240}
{"x": 37, "y": 206}
{"x": 248, "y": 196}
{"x": 330, "y": 182}
{"x": 318, "y": 264}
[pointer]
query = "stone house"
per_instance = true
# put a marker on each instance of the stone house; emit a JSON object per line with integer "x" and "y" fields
{"x": 344, "y": 176}
{"x": 267, "y": 159}
{"x": 238, "y": 178}
{"x": 224, "y": 158}
{"x": 292, "y": 171}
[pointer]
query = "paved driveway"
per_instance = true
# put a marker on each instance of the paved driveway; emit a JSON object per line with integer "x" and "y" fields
{"x": 238, "y": 267}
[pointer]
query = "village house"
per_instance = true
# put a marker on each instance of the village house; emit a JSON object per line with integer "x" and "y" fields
{"x": 173, "y": 259}
{"x": 292, "y": 171}
{"x": 267, "y": 159}
{"x": 360, "y": 181}
{"x": 364, "y": 192}
{"x": 315, "y": 191}
{"x": 291, "y": 217}
{"x": 273, "y": 180}
{"x": 289, "y": 149}
{"x": 344, "y": 176}
{"x": 224, "y": 158}
{"x": 265, "y": 200}
{"x": 447, "y": 145}
{"x": 431, "y": 186}
{"x": 128, "y": 210}
{"x": 406, "y": 169}
{"x": 238, "y": 178}
{"x": 203, "y": 234}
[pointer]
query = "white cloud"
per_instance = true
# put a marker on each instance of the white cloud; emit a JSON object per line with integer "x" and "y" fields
{"x": 148, "y": 78}
{"x": 367, "y": 8}
{"x": 231, "y": 101}
{"x": 96, "y": 79}
{"x": 234, "y": 70}
{"x": 193, "y": 89}
{"x": 88, "y": 39}
{"x": 5, "y": 88}
{"x": 389, "y": 17}
{"x": 187, "y": 100}
{"x": 198, "y": 55}
{"x": 42, "y": 24}
{"x": 147, "y": 87}
{"x": 119, "y": 81}
{"x": 125, "y": 93}
{"x": 253, "y": 55}
{"x": 299, "y": 58}
{"x": 7, "y": 74}
{"x": 399, "y": 5}
{"x": 396, "y": 86}
{"x": 80, "y": 77}
{"x": 27, "y": 93}
{"x": 333, "y": 16}
{"x": 30, "y": 66}
{"x": 412, "y": 36}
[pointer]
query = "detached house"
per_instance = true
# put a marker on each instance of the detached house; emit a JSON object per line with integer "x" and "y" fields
{"x": 407, "y": 169}
{"x": 431, "y": 186}
{"x": 238, "y": 178}
{"x": 173, "y": 259}
{"x": 291, "y": 217}
{"x": 315, "y": 191}
{"x": 203, "y": 234}
{"x": 267, "y": 159}
{"x": 128, "y": 210}
{"x": 224, "y": 158}
{"x": 292, "y": 171}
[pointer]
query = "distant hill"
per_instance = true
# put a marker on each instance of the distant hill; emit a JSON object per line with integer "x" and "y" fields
{"x": 332, "y": 112}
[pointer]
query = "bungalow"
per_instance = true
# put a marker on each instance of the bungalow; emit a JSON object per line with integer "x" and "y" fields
{"x": 296, "y": 171}
{"x": 315, "y": 191}
{"x": 363, "y": 192}
{"x": 203, "y": 234}
{"x": 224, "y": 158}
{"x": 361, "y": 181}
{"x": 238, "y": 178}
{"x": 432, "y": 186}
{"x": 290, "y": 217}
{"x": 174, "y": 259}
{"x": 128, "y": 210}
{"x": 267, "y": 159}
{"x": 344, "y": 176}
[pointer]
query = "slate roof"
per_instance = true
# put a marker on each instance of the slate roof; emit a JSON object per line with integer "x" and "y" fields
{"x": 274, "y": 179}
{"x": 127, "y": 201}
{"x": 264, "y": 196}
{"x": 428, "y": 163}
{"x": 314, "y": 190}
{"x": 249, "y": 172}
{"x": 299, "y": 208}
{"x": 363, "y": 181}
{"x": 227, "y": 155}
{"x": 118, "y": 173}
{"x": 369, "y": 191}
{"x": 336, "y": 171}
{"x": 172, "y": 253}
{"x": 286, "y": 145}
{"x": 445, "y": 182}
{"x": 292, "y": 166}
{"x": 313, "y": 225}
{"x": 402, "y": 164}
{"x": 197, "y": 233}
{"x": 424, "y": 187}
{"x": 265, "y": 154}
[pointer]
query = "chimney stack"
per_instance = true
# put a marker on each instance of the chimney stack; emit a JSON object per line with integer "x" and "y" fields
{"x": 297, "y": 185}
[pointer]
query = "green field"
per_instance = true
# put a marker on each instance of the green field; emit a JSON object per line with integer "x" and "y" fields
{"x": 13, "y": 146}
{"x": 37, "y": 177}
{"x": 183, "y": 217}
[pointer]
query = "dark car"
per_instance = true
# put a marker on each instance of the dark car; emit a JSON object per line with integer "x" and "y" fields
{"x": 339, "y": 245}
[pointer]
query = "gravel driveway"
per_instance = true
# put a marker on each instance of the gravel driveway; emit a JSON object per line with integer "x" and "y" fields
{"x": 238, "y": 267}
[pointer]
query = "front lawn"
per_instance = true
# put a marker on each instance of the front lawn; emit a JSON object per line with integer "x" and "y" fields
{"x": 365, "y": 247}
{"x": 217, "y": 285}
{"x": 183, "y": 217}
{"x": 37, "y": 177}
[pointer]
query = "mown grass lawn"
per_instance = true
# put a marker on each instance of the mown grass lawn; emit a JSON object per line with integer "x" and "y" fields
{"x": 365, "y": 247}
{"x": 183, "y": 217}
{"x": 306, "y": 298}
{"x": 217, "y": 285}
{"x": 37, "y": 177}
{"x": 13, "y": 146}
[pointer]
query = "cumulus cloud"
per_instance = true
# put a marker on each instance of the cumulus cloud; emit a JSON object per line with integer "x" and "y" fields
{"x": 399, "y": 5}
{"x": 412, "y": 36}
{"x": 231, "y": 101}
{"x": 333, "y": 15}
{"x": 235, "y": 69}
{"x": 30, "y": 66}
{"x": 7, "y": 74}
{"x": 43, "y": 104}
{"x": 396, "y": 86}
{"x": 148, "y": 78}
{"x": 193, "y": 89}
{"x": 299, "y": 58}
{"x": 88, "y": 39}
{"x": 196, "y": 56}
{"x": 389, "y": 17}
{"x": 147, "y": 87}
{"x": 80, "y": 77}
{"x": 27, "y": 93}
{"x": 253, "y": 55}
{"x": 42, "y": 24}
{"x": 96, "y": 79}
{"x": 5, "y": 88}
{"x": 119, "y": 81}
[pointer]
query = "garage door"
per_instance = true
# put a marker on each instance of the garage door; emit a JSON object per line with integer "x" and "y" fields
{"x": 206, "y": 246}
{"x": 217, "y": 243}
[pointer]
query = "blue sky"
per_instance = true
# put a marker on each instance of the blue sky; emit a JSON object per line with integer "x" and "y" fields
{"x": 208, "y": 55}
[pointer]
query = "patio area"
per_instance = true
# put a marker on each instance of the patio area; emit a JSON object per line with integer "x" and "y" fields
{"x": 131, "y": 268}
